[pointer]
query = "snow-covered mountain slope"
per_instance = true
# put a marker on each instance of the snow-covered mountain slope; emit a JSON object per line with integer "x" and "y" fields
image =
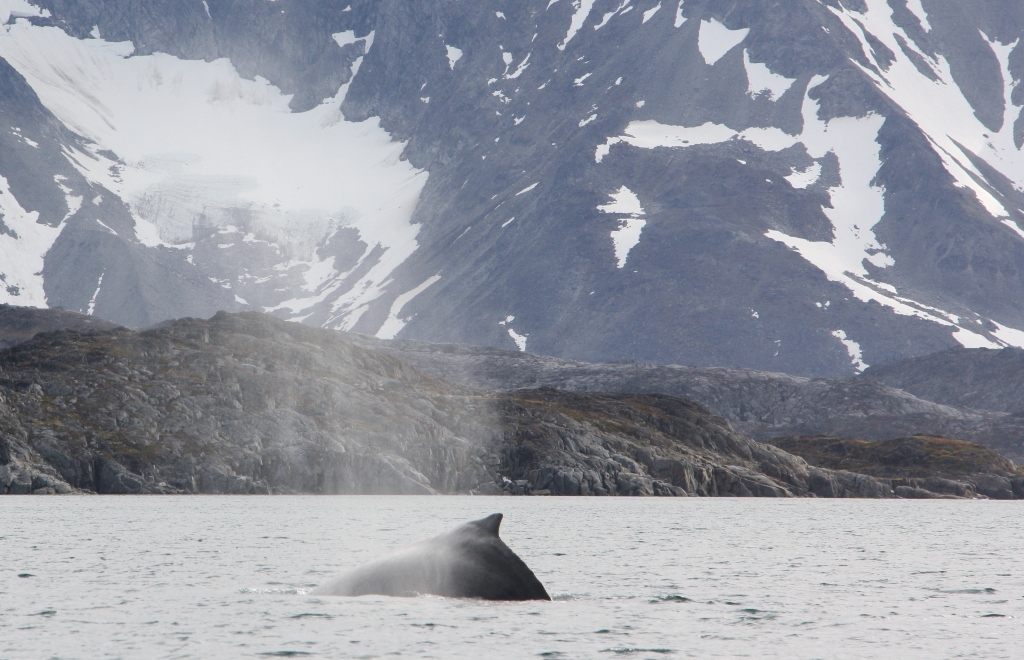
{"x": 809, "y": 186}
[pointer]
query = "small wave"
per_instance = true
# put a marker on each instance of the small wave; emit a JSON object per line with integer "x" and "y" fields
{"x": 670, "y": 598}
{"x": 627, "y": 650}
{"x": 986, "y": 590}
{"x": 306, "y": 615}
{"x": 285, "y": 654}
{"x": 264, "y": 592}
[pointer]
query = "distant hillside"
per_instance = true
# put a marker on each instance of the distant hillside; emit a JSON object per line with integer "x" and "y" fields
{"x": 759, "y": 404}
{"x": 19, "y": 324}
{"x": 969, "y": 377}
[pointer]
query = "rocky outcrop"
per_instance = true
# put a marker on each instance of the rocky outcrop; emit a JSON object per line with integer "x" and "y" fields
{"x": 251, "y": 404}
{"x": 918, "y": 466}
{"x": 629, "y": 444}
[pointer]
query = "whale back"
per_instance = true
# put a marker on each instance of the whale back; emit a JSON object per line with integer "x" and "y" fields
{"x": 470, "y": 561}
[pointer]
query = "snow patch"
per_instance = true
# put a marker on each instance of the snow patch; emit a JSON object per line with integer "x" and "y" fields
{"x": 649, "y": 14}
{"x": 602, "y": 150}
{"x": 715, "y": 40}
{"x": 853, "y": 348}
{"x": 345, "y": 38}
{"x": 1009, "y": 336}
{"x": 650, "y": 134}
{"x": 10, "y": 9}
{"x": 805, "y": 178}
{"x": 21, "y": 258}
{"x": 527, "y": 189}
{"x": 680, "y": 19}
{"x": 17, "y": 133}
{"x": 1014, "y": 226}
{"x": 74, "y": 202}
{"x": 969, "y": 339}
{"x": 95, "y": 295}
{"x": 454, "y": 55}
{"x": 917, "y": 9}
{"x": 760, "y": 79}
{"x": 625, "y": 202}
{"x": 608, "y": 16}
{"x": 579, "y": 17}
{"x": 519, "y": 339}
{"x": 393, "y": 325}
{"x": 519, "y": 69}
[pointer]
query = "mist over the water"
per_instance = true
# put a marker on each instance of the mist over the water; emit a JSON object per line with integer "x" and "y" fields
{"x": 648, "y": 578}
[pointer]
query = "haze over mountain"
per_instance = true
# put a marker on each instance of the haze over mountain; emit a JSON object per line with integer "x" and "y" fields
{"x": 808, "y": 186}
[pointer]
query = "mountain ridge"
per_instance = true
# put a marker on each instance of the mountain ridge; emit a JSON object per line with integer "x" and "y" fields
{"x": 251, "y": 404}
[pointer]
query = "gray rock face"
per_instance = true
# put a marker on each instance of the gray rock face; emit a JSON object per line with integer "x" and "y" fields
{"x": 250, "y": 404}
{"x": 735, "y": 183}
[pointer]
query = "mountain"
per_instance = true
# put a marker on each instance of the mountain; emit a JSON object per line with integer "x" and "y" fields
{"x": 251, "y": 404}
{"x": 807, "y": 186}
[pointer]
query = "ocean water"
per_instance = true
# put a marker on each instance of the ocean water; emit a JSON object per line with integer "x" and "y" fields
{"x": 224, "y": 577}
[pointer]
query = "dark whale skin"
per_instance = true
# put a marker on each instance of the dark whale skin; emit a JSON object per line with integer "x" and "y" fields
{"x": 470, "y": 561}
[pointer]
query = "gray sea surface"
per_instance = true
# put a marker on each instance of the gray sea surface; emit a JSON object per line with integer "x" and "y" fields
{"x": 226, "y": 577}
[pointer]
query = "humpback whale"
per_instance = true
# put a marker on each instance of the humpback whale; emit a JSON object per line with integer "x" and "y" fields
{"x": 470, "y": 561}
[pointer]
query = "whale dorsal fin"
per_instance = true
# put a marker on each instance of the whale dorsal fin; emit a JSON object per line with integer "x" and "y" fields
{"x": 490, "y": 524}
